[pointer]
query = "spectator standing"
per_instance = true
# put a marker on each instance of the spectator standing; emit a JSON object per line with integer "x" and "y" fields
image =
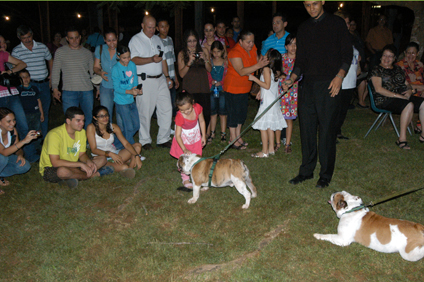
{"x": 145, "y": 47}
{"x": 220, "y": 32}
{"x": 10, "y": 99}
{"x": 194, "y": 65}
{"x": 35, "y": 54}
{"x": 55, "y": 44}
{"x": 321, "y": 37}
{"x": 64, "y": 159}
{"x": 243, "y": 61}
{"x": 278, "y": 39}
{"x": 95, "y": 39}
{"x": 378, "y": 37}
{"x": 169, "y": 56}
{"x": 76, "y": 64}
{"x": 30, "y": 100}
{"x": 104, "y": 60}
{"x": 210, "y": 37}
{"x": 236, "y": 28}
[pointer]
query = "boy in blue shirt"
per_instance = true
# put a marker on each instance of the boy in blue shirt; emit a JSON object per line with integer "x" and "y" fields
{"x": 30, "y": 100}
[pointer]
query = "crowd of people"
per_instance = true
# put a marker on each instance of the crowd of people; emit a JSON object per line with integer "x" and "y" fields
{"x": 314, "y": 70}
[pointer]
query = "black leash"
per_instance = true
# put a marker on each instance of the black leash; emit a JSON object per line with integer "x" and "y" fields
{"x": 386, "y": 199}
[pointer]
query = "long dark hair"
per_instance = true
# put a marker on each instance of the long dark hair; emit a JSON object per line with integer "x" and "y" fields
{"x": 218, "y": 45}
{"x": 275, "y": 62}
{"x": 184, "y": 97}
{"x": 96, "y": 111}
{"x": 187, "y": 34}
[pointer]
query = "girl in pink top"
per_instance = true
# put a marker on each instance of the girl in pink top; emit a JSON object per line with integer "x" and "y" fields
{"x": 190, "y": 131}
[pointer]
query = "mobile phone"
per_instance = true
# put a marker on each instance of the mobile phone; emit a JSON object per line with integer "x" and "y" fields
{"x": 139, "y": 86}
{"x": 161, "y": 54}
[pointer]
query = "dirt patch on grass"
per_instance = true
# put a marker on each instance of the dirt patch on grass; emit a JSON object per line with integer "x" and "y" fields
{"x": 269, "y": 237}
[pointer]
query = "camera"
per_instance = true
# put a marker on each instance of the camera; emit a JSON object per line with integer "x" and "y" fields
{"x": 196, "y": 55}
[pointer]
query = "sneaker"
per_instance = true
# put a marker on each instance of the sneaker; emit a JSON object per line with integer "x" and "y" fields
{"x": 71, "y": 183}
{"x": 172, "y": 132}
{"x": 127, "y": 173}
{"x": 106, "y": 170}
{"x": 142, "y": 158}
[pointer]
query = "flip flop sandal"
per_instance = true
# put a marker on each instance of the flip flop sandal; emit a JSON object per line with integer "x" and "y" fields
{"x": 259, "y": 156}
{"x": 223, "y": 136}
{"x": 277, "y": 147}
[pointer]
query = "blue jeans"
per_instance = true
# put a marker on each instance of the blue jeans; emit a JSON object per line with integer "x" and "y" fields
{"x": 218, "y": 104}
{"x": 128, "y": 121}
{"x": 34, "y": 123}
{"x": 46, "y": 100}
{"x": 14, "y": 103}
{"x": 9, "y": 167}
{"x": 106, "y": 99}
{"x": 82, "y": 99}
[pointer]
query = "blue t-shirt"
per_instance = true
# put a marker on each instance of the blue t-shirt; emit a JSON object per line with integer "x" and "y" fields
{"x": 274, "y": 42}
{"x": 29, "y": 96}
{"x": 106, "y": 63}
{"x": 95, "y": 40}
{"x": 124, "y": 78}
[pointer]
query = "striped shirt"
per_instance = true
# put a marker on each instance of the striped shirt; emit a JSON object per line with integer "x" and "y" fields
{"x": 169, "y": 55}
{"x": 76, "y": 66}
{"x": 35, "y": 59}
{"x": 275, "y": 43}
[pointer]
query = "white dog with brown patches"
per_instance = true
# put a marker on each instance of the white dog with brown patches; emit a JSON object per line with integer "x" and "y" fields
{"x": 376, "y": 232}
{"x": 227, "y": 172}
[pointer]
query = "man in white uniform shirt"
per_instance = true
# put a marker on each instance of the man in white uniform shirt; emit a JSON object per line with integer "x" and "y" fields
{"x": 145, "y": 48}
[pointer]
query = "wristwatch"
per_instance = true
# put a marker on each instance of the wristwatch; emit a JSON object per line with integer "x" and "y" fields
{"x": 139, "y": 155}
{"x": 107, "y": 154}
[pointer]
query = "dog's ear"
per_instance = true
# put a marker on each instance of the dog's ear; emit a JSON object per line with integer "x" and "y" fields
{"x": 341, "y": 204}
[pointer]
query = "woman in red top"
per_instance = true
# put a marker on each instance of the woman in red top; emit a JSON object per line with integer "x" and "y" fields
{"x": 243, "y": 61}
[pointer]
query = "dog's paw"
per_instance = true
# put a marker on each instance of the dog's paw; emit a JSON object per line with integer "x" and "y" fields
{"x": 318, "y": 236}
{"x": 192, "y": 200}
{"x": 245, "y": 206}
{"x": 204, "y": 189}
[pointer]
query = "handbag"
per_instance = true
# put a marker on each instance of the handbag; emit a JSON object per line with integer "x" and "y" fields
{"x": 10, "y": 80}
{"x": 97, "y": 79}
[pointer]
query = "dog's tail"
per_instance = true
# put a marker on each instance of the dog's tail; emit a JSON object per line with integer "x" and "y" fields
{"x": 248, "y": 179}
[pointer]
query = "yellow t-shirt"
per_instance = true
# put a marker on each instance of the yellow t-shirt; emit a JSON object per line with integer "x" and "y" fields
{"x": 58, "y": 142}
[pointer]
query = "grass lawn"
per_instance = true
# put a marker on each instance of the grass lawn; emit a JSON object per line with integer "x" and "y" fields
{"x": 115, "y": 229}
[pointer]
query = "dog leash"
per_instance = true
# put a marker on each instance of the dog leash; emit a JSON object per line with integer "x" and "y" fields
{"x": 392, "y": 197}
{"x": 217, "y": 156}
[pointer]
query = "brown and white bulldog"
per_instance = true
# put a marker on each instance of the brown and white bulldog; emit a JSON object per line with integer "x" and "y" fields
{"x": 227, "y": 172}
{"x": 374, "y": 231}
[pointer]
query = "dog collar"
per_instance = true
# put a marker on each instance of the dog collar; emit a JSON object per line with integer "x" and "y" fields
{"x": 355, "y": 209}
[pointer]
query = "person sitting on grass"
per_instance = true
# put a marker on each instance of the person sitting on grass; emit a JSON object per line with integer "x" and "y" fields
{"x": 101, "y": 135}
{"x": 12, "y": 159}
{"x": 64, "y": 159}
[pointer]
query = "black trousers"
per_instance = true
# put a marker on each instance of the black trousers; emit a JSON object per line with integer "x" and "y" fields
{"x": 318, "y": 113}
{"x": 345, "y": 98}
{"x": 204, "y": 100}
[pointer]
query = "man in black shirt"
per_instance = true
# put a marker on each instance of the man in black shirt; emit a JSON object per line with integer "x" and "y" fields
{"x": 324, "y": 54}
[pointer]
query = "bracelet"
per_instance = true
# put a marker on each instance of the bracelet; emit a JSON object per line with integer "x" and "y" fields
{"x": 339, "y": 76}
{"x": 16, "y": 147}
{"x": 167, "y": 76}
{"x": 107, "y": 153}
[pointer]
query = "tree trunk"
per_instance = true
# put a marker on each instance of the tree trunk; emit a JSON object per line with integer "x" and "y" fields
{"x": 198, "y": 18}
{"x": 240, "y": 12}
{"x": 178, "y": 28}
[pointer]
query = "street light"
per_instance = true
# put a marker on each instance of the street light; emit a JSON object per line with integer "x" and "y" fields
{"x": 79, "y": 15}
{"x": 6, "y": 18}
{"x": 213, "y": 12}
{"x": 146, "y": 13}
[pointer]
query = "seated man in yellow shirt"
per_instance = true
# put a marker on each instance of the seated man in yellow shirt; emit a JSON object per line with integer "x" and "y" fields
{"x": 63, "y": 157}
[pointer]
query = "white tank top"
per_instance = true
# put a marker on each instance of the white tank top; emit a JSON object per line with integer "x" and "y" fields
{"x": 106, "y": 144}
{"x": 9, "y": 138}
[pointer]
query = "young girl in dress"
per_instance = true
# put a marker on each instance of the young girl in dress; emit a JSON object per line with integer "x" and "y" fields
{"x": 12, "y": 159}
{"x": 289, "y": 100}
{"x": 190, "y": 131}
{"x": 125, "y": 81}
{"x": 216, "y": 79}
{"x": 272, "y": 120}
{"x": 102, "y": 133}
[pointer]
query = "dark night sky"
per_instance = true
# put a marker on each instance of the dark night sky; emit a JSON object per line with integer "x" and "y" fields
{"x": 258, "y": 15}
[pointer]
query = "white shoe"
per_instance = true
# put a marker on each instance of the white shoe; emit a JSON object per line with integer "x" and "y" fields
{"x": 142, "y": 158}
{"x": 172, "y": 132}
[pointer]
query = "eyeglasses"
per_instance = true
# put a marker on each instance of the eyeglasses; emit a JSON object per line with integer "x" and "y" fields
{"x": 103, "y": 116}
{"x": 388, "y": 56}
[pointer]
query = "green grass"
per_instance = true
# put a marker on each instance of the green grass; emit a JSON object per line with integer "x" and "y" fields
{"x": 114, "y": 229}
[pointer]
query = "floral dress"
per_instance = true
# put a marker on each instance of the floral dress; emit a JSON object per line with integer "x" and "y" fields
{"x": 288, "y": 104}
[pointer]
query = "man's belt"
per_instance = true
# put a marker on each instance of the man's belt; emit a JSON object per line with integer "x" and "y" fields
{"x": 40, "y": 81}
{"x": 154, "y": 76}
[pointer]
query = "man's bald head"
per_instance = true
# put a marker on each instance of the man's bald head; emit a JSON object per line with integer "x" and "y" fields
{"x": 149, "y": 26}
